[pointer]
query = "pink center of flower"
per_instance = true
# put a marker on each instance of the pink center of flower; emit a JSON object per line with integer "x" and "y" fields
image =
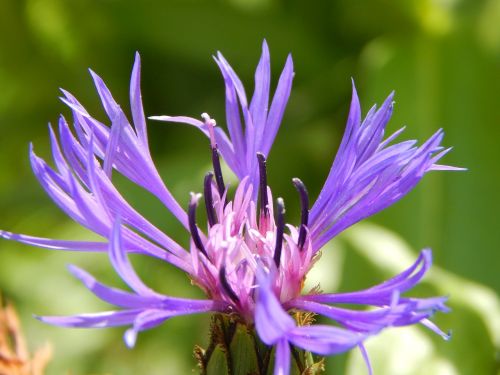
{"x": 242, "y": 238}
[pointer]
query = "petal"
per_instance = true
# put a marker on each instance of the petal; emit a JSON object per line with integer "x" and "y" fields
{"x": 271, "y": 321}
{"x": 111, "y": 295}
{"x": 136, "y": 101}
{"x": 282, "y": 358}
{"x": 110, "y": 105}
{"x": 231, "y": 74}
{"x": 366, "y": 358}
{"x": 427, "y": 323}
{"x": 111, "y": 148}
{"x": 353, "y": 122}
{"x": 381, "y": 295}
{"x": 367, "y": 174}
{"x": 51, "y": 244}
{"x": 95, "y": 320}
{"x": 145, "y": 320}
{"x": 362, "y": 321}
{"x": 325, "y": 340}
{"x": 122, "y": 265}
{"x": 278, "y": 106}
{"x": 260, "y": 100}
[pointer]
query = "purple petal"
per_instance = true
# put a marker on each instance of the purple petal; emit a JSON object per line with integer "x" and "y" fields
{"x": 244, "y": 146}
{"x": 427, "y": 323}
{"x": 365, "y": 321}
{"x": 278, "y": 106}
{"x": 271, "y": 321}
{"x": 325, "y": 340}
{"x": 114, "y": 204}
{"x": 52, "y": 184}
{"x": 380, "y": 295}
{"x": 111, "y": 295}
{"x": 145, "y": 320}
{"x": 51, "y": 244}
{"x": 113, "y": 141}
{"x": 366, "y": 358}
{"x": 353, "y": 122}
{"x": 136, "y": 101}
{"x": 110, "y": 105}
{"x": 234, "y": 125}
{"x": 260, "y": 100}
{"x": 282, "y": 358}
{"x": 174, "y": 306}
{"x": 95, "y": 320}
{"x": 367, "y": 175}
{"x": 122, "y": 265}
{"x": 373, "y": 131}
{"x": 59, "y": 160}
{"x": 132, "y": 158}
{"x": 226, "y": 69}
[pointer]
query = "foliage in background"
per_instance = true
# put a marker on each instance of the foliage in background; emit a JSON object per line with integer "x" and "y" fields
{"x": 441, "y": 57}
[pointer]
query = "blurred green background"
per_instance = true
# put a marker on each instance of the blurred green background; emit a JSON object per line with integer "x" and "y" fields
{"x": 440, "y": 56}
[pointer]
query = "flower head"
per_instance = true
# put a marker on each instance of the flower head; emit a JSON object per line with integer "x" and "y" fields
{"x": 247, "y": 260}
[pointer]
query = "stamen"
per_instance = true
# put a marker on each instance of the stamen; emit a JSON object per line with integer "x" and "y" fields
{"x": 264, "y": 210}
{"x": 209, "y": 204}
{"x": 210, "y": 123}
{"x": 225, "y": 285}
{"x": 304, "y": 216}
{"x": 280, "y": 227}
{"x": 192, "y": 223}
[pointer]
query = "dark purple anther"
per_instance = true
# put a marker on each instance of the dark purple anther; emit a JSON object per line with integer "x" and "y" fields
{"x": 264, "y": 210}
{"x": 225, "y": 285}
{"x": 210, "y": 123}
{"x": 280, "y": 227}
{"x": 304, "y": 216}
{"x": 209, "y": 205}
{"x": 218, "y": 171}
{"x": 192, "y": 224}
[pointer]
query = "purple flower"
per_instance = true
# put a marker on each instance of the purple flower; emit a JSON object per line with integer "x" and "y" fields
{"x": 247, "y": 260}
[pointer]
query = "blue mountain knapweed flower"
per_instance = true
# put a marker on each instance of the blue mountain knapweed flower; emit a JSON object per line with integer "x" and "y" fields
{"x": 247, "y": 261}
